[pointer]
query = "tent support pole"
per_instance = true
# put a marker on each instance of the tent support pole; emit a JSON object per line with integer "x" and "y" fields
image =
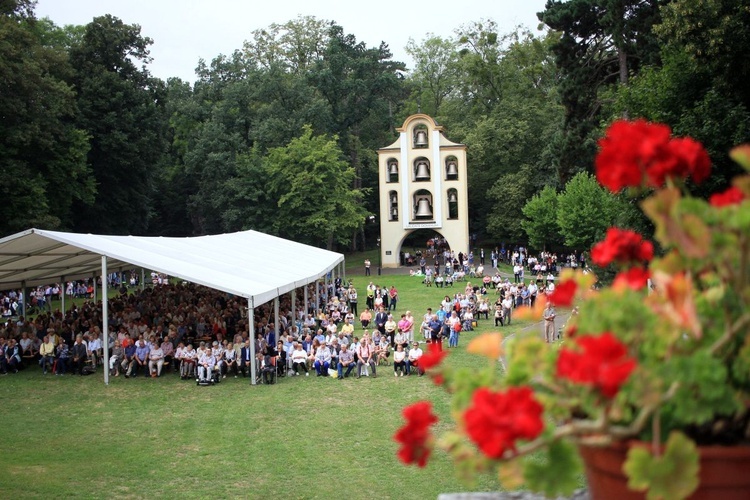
{"x": 251, "y": 338}
{"x": 24, "y": 299}
{"x": 143, "y": 279}
{"x": 94, "y": 280}
{"x": 306, "y": 305}
{"x": 293, "y": 294}
{"x": 105, "y": 321}
{"x": 317, "y": 297}
{"x": 276, "y": 319}
{"x": 343, "y": 273}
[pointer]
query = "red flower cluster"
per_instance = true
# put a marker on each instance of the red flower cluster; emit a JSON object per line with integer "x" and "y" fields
{"x": 433, "y": 357}
{"x": 638, "y": 153}
{"x": 564, "y": 293}
{"x": 495, "y": 420}
{"x": 622, "y": 246}
{"x": 601, "y": 362}
{"x": 731, "y": 196}
{"x": 415, "y": 434}
{"x": 635, "y": 278}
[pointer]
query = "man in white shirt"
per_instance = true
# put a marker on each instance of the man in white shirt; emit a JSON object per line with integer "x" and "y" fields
{"x": 94, "y": 347}
{"x": 507, "y": 304}
{"x": 413, "y": 360}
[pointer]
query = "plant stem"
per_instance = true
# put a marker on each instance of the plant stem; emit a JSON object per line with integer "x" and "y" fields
{"x": 730, "y": 332}
{"x": 656, "y": 439}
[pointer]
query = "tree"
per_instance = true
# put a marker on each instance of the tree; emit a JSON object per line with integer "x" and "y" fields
{"x": 507, "y": 111}
{"x": 540, "y": 220}
{"x": 312, "y": 183}
{"x": 121, "y": 109}
{"x": 42, "y": 152}
{"x": 585, "y": 210}
{"x": 435, "y": 73}
{"x": 603, "y": 43}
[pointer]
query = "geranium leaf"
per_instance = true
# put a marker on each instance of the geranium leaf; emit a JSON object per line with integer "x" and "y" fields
{"x": 556, "y": 472}
{"x": 674, "y": 474}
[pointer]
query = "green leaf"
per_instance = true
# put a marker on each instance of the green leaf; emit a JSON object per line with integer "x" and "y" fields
{"x": 555, "y": 472}
{"x": 672, "y": 475}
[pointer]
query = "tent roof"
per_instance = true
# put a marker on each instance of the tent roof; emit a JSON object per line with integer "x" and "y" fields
{"x": 248, "y": 264}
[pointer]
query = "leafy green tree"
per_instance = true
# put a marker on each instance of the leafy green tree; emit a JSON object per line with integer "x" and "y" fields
{"x": 312, "y": 183}
{"x": 42, "y": 153}
{"x": 540, "y": 220}
{"x": 585, "y": 210}
{"x": 435, "y": 73}
{"x": 121, "y": 109}
{"x": 509, "y": 124}
{"x": 602, "y": 43}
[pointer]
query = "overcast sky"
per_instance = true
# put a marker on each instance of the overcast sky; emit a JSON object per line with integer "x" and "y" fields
{"x": 186, "y": 30}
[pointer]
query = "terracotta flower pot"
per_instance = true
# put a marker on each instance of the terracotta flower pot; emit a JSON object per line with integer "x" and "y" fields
{"x": 724, "y": 472}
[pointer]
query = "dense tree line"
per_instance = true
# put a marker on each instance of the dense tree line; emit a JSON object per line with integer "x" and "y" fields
{"x": 280, "y": 136}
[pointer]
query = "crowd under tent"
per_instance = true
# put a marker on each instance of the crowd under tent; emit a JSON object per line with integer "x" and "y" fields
{"x": 248, "y": 264}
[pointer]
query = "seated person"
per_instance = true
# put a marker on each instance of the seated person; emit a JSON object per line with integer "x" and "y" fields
{"x": 400, "y": 339}
{"x": 412, "y": 360}
{"x": 94, "y": 348}
{"x": 206, "y": 365}
{"x": 63, "y": 353}
{"x": 189, "y": 362}
{"x": 128, "y": 358}
{"x": 346, "y": 361}
{"x": 230, "y": 361}
{"x": 299, "y": 359}
{"x": 12, "y": 356}
{"x": 384, "y": 352}
{"x": 116, "y": 358}
{"x": 27, "y": 346}
{"x": 449, "y": 280}
{"x": 366, "y": 357}
{"x": 168, "y": 349}
{"x": 322, "y": 360}
{"x": 439, "y": 280}
{"x": 366, "y": 317}
{"x": 155, "y": 360}
{"x": 47, "y": 353}
{"x": 399, "y": 360}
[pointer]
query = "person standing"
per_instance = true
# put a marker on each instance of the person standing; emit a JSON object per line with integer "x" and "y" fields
{"x": 367, "y": 267}
{"x": 352, "y": 296}
{"x": 549, "y": 323}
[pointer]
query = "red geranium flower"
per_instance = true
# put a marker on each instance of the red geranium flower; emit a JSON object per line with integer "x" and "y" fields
{"x": 601, "y": 361}
{"x": 638, "y": 153}
{"x": 623, "y": 246}
{"x": 433, "y": 357}
{"x": 495, "y": 420}
{"x": 731, "y": 196}
{"x": 564, "y": 293}
{"x": 626, "y": 149}
{"x": 635, "y": 278}
{"x": 415, "y": 435}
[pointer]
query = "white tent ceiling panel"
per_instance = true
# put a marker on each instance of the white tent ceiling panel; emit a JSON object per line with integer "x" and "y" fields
{"x": 248, "y": 264}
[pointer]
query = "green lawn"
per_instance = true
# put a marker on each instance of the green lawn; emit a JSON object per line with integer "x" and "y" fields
{"x": 301, "y": 438}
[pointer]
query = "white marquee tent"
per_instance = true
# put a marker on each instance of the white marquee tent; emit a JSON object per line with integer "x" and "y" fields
{"x": 247, "y": 264}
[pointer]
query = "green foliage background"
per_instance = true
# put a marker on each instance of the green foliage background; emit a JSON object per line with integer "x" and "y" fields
{"x": 91, "y": 141}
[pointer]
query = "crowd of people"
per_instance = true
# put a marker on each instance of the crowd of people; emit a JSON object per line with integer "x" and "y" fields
{"x": 200, "y": 333}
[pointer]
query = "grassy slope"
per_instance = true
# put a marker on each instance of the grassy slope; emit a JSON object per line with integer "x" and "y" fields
{"x": 302, "y": 438}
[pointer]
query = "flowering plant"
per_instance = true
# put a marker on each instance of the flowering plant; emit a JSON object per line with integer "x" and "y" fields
{"x": 662, "y": 355}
